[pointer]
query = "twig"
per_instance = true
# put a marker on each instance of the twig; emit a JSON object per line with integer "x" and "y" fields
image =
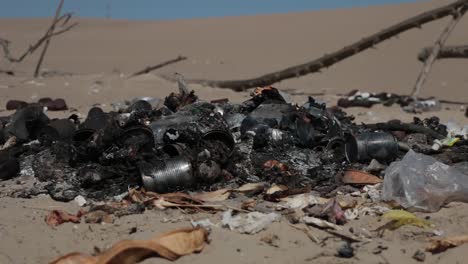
{"x": 46, "y": 45}
{"x": 337, "y": 56}
{"x": 307, "y": 231}
{"x": 446, "y": 52}
{"x": 152, "y": 68}
{"x": 435, "y": 51}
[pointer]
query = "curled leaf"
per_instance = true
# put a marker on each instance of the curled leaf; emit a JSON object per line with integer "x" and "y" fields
{"x": 274, "y": 164}
{"x": 58, "y": 217}
{"x": 440, "y": 245}
{"x": 360, "y": 177}
{"x": 170, "y": 246}
{"x": 215, "y": 196}
{"x": 399, "y": 218}
{"x": 251, "y": 187}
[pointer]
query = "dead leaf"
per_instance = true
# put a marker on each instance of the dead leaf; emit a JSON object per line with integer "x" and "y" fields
{"x": 162, "y": 203}
{"x": 274, "y": 164}
{"x": 251, "y": 187}
{"x": 171, "y": 246}
{"x": 248, "y": 204}
{"x": 58, "y": 217}
{"x": 442, "y": 244}
{"x": 97, "y": 217}
{"x": 400, "y": 218}
{"x": 276, "y": 188}
{"x": 215, "y": 196}
{"x": 360, "y": 177}
{"x": 348, "y": 203}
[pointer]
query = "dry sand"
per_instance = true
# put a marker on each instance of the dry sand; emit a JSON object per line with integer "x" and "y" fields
{"x": 99, "y": 54}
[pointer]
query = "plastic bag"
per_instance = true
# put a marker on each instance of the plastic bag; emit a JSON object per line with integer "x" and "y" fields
{"x": 421, "y": 183}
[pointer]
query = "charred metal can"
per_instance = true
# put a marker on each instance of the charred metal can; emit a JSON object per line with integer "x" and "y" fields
{"x": 371, "y": 145}
{"x": 166, "y": 175}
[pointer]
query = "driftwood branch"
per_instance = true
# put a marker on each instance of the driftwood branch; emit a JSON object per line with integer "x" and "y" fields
{"x": 152, "y": 68}
{"x": 46, "y": 45}
{"x": 63, "y": 20}
{"x": 435, "y": 51}
{"x": 446, "y": 52}
{"x": 411, "y": 128}
{"x": 337, "y": 56}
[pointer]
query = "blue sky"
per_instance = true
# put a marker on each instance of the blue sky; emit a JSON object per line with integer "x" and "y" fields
{"x": 173, "y": 9}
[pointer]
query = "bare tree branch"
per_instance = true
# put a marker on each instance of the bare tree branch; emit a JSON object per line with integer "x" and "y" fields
{"x": 64, "y": 19}
{"x": 435, "y": 51}
{"x": 152, "y": 68}
{"x": 446, "y": 52}
{"x": 46, "y": 45}
{"x": 329, "y": 59}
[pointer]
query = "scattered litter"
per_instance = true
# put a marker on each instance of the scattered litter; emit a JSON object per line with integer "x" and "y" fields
{"x": 250, "y": 223}
{"x": 270, "y": 239}
{"x": 205, "y": 223}
{"x": 80, "y": 200}
{"x": 419, "y": 256}
{"x": 345, "y": 251}
{"x": 330, "y": 211}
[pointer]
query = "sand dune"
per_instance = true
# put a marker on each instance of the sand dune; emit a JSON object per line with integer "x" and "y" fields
{"x": 239, "y": 47}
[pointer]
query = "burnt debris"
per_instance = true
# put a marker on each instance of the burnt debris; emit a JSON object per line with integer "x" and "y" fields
{"x": 189, "y": 144}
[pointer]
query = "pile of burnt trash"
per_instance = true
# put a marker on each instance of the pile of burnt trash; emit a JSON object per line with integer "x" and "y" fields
{"x": 189, "y": 144}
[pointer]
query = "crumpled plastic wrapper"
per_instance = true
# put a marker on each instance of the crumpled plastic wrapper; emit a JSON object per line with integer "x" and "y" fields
{"x": 250, "y": 223}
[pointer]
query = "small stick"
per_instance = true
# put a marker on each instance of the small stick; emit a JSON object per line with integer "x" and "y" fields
{"x": 435, "y": 51}
{"x": 447, "y": 52}
{"x": 152, "y": 68}
{"x": 307, "y": 231}
{"x": 46, "y": 45}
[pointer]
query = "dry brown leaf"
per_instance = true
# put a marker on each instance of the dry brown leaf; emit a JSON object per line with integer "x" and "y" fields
{"x": 97, "y": 217}
{"x": 360, "y": 177}
{"x": 347, "y": 203}
{"x": 440, "y": 245}
{"x": 216, "y": 196}
{"x": 248, "y": 204}
{"x": 171, "y": 246}
{"x": 276, "y": 188}
{"x": 270, "y": 164}
{"x": 251, "y": 187}
{"x": 162, "y": 203}
{"x": 58, "y": 217}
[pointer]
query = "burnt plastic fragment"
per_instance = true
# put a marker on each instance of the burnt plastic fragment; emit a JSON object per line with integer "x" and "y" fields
{"x": 15, "y": 104}
{"x": 9, "y": 168}
{"x": 27, "y": 122}
{"x": 58, "y": 129}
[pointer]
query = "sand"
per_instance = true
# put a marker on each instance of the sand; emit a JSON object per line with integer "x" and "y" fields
{"x": 96, "y": 58}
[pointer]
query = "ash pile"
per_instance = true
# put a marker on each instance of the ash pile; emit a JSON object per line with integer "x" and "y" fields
{"x": 186, "y": 144}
